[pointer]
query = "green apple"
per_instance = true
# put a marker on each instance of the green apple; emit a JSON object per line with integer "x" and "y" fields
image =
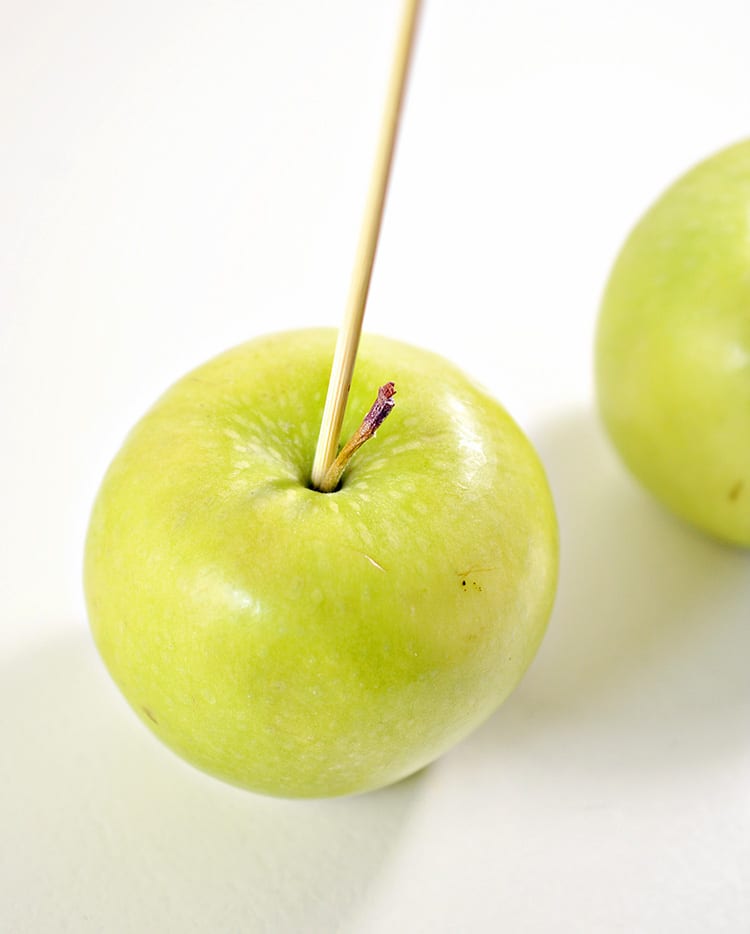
{"x": 673, "y": 348}
{"x": 301, "y": 643}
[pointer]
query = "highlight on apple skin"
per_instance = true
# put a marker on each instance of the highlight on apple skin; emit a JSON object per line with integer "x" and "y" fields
{"x": 308, "y": 644}
{"x": 673, "y": 348}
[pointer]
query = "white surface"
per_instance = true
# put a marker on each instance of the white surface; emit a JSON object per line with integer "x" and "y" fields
{"x": 179, "y": 177}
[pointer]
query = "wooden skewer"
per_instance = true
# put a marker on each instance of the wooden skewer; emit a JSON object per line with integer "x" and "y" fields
{"x": 351, "y": 328}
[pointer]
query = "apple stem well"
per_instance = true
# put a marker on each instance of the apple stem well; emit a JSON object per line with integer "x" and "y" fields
{"x": 379, "y": 411}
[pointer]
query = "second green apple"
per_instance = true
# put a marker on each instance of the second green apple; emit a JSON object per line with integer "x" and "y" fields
{"x": 673, "y": 348}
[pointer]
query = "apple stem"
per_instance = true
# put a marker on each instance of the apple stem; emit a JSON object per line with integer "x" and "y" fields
{"x": 380, "y": 410}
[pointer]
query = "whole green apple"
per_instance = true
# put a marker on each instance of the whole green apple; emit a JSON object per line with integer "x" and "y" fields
{"x": 673, "y": 348}
{"x": 301, "y": 643}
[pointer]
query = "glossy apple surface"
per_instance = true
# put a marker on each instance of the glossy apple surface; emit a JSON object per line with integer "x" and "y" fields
{"x": 673, "y": 348}
{"x": 308, "y": 644}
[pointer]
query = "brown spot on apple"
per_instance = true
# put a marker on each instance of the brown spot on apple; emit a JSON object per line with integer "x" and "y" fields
{"x": 734, "y": 493}
{"x": 149, "y": 713}
{"x": 475, "y": 585}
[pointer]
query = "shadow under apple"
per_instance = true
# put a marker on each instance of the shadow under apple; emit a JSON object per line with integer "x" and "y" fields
{"x": 103, "y": 829}
{"x": 644, "y": 666}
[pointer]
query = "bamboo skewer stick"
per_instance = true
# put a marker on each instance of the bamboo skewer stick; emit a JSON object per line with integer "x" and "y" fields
{"x": 351, "y": 328}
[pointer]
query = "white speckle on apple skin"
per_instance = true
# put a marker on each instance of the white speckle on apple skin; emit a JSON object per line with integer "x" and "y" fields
{"x": 374, "y": 563}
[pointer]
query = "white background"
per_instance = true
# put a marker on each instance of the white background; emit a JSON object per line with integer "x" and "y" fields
{"x": 177, "y": 177}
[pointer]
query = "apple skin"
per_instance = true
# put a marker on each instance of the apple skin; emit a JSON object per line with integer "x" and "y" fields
{"x": 306, "y": 644}
{"x": 673, "y": 348}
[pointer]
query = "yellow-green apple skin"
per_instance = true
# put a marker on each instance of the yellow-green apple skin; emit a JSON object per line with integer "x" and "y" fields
{"x": 673, "y": 348}
{"x": 306, "y": 644}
